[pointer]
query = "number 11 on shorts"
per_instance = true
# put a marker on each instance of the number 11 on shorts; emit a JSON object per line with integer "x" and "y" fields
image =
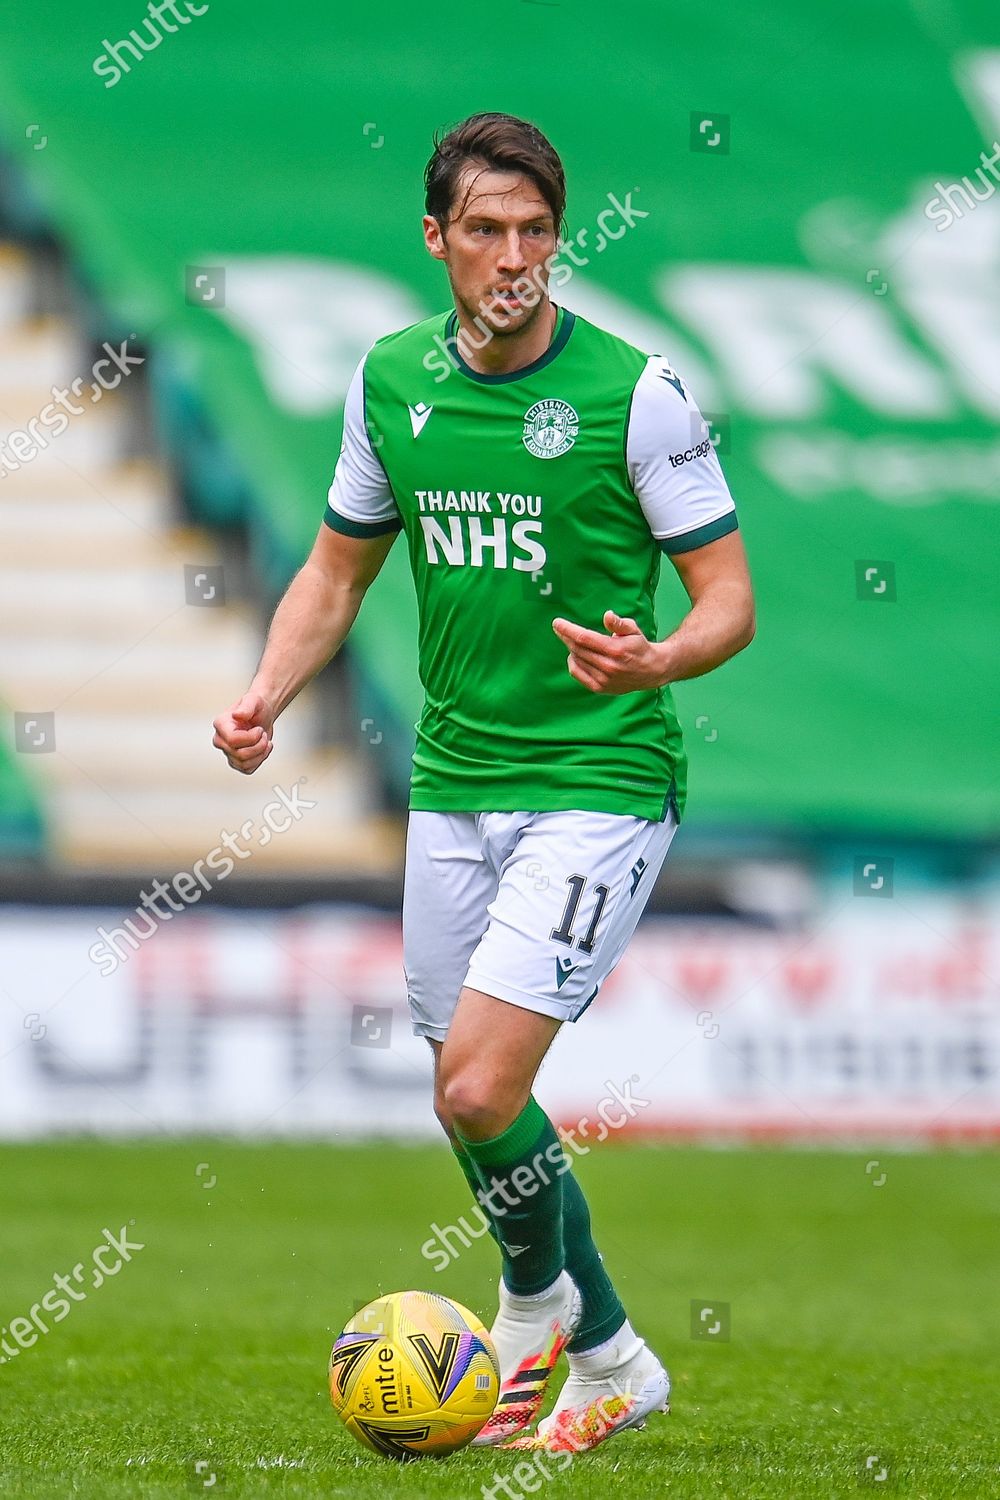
{"x": 564, "y": 932}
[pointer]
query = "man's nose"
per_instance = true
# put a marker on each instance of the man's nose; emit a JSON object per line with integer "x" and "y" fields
{"x": 511, "y": 253}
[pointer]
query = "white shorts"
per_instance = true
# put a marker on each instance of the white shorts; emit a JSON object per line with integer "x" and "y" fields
{"x": 535, "y": 908}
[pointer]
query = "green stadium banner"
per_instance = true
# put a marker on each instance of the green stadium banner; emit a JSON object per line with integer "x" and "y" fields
{"x": 806, "y": 219}
{"x": 22, "y": 831}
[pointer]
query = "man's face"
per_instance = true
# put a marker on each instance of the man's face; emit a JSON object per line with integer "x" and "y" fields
{"x": 495, "y": 249}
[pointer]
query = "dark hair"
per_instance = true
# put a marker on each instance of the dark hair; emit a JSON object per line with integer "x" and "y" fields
{"x": 501, "y": 143}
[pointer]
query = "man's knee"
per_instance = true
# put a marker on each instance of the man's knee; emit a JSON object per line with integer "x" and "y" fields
{"x": 444, "y": 1115}
{"x": 476, "y": 1106}
{"x": 440, "y": 1107}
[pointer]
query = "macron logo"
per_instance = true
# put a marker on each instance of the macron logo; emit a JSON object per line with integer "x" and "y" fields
{"x": 418, "y": 417}
{"x": 564, "y": 968}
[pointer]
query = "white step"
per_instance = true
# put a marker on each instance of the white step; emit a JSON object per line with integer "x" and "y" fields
{"x": 39, "y": 355}
{"x": 81, "y": 517}
{"x": 145, "y": 661}
{"x": 131, "y": 546}
{"x": 155, "y": 750}
{"x": 103, "y": 626}
{"x": 101, "y": 591}
{"x": 92, "y": 439}
{"x": 124, "y": 484}
{"x": 180, "y": 824}
{"x": 365, "y": 847}
{"x": 127, "y": 688}
{"x": 225, "y": 804}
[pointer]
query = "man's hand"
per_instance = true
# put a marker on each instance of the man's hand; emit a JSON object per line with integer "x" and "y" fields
{"x": 244, "y": 733}
{"x": 623, "y": 662}
{"x": 719, "y": 623}
{"x": 309, "y": 627}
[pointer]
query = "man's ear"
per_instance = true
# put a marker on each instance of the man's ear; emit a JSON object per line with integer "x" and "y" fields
{"x": 434, "y": 238}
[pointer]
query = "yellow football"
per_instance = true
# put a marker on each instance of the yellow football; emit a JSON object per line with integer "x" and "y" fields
{"x": 414, "y": 1374}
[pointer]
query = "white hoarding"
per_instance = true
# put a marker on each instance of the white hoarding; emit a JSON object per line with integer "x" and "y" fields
{"x": 882, "y": 1019}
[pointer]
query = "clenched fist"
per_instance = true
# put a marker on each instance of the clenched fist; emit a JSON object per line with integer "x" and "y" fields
{"x": 243, "y": 733}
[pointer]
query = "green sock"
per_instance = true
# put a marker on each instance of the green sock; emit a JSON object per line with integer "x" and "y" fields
{"x": 603, "y": 1313}
{"x": 469, "y": 1173}
{"x": 522, "y": 1191}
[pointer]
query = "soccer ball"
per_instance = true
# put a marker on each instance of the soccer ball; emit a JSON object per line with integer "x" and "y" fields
{"x": 413, "y": 1374}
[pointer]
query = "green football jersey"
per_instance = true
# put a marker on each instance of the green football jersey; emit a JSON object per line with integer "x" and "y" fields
{"x": 552, "y": 490}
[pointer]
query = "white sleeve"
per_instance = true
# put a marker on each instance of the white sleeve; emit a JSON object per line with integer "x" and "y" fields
{"x": 672, "y": 464}
{"x": 361, "y": 502}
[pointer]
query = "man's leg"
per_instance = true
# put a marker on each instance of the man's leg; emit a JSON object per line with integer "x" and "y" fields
{"x": 449, "y": 885}
{"x": 571, "y": 888}
{"x": 485, "y": 1072}
{"x": 603, "y": 1314}
{"x": 513, "y": 1159}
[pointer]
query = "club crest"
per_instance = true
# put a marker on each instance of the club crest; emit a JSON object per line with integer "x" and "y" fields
{"x": 550, "y": 428}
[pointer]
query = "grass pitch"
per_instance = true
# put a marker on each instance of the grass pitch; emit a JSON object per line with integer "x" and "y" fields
{"x": 863, "y": 1319}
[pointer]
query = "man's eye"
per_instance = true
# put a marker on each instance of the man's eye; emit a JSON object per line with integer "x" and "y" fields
{"x": 485, "y": 229}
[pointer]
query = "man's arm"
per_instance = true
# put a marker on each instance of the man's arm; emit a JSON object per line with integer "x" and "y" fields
{"x": 719, "y": 623}
{"x": 721, "y": 620}
{"x": 309, "y": 627}
{"x": 677, "y": 479}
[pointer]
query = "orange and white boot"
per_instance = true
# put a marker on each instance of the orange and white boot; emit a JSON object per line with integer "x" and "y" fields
{"x": 529, "y": 1333}
{"x": 608, "y": 1390}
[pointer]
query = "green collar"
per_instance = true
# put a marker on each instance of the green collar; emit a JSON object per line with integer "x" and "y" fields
{"x": 560, "y": 334}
